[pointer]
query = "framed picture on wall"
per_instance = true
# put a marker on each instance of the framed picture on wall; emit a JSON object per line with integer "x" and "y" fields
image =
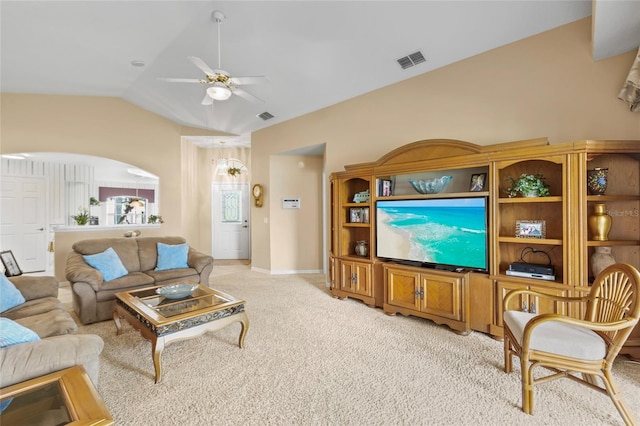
{"x": 478, "y": 181}
{"x": 11, "y": 268}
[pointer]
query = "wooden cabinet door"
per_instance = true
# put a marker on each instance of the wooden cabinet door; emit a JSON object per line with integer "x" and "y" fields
{"x": 362, "y": 283}
{"x": 347, "y": 277}
{"x": 403, "y": 289}
{"x": 529, "y": 302}
{"x": 516, "y": 304}
{"x": 546, "y": 306}
{"x": 355, "y": 277}
{"x": 441, "y": 296}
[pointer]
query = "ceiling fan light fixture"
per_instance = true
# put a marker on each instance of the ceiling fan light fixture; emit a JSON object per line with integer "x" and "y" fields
{"x": 219, "y": 92}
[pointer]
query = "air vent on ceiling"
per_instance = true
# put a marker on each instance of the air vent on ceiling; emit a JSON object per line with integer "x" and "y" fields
{"x": 411, "y": 60}
{"x": 265, "y": 116}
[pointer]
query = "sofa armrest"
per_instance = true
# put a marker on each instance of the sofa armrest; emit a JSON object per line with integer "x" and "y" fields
{"x": 198, "y": 261}
{"x": 35, "y": 287}
{"x": 77, "y": 270}
{"x": 25, "y": 361}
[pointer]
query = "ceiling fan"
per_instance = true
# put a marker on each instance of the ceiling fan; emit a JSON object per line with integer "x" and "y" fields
{"x": 221, "y": 84}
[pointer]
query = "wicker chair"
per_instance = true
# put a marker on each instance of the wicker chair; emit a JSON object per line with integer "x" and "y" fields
{"x": 567, "y": 345}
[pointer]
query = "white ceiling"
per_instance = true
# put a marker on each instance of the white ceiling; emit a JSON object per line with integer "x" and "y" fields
{"x": 314, "y": 53}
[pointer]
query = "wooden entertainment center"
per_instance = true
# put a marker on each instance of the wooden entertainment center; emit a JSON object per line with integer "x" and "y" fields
{"x": 467, "y": 300}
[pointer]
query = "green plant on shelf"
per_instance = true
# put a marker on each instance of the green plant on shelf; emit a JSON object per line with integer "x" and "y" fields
{"x": 528, "y": 186}
{"x": 82, "y": 218}
{"x": 154, "y": 219}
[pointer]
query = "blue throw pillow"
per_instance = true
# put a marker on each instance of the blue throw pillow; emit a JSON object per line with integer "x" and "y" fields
{"x": 10, "y": 296}
{"x": 172, "y": 256}
{"x": 108, "y": 263}
{"x": 12, "y": 333}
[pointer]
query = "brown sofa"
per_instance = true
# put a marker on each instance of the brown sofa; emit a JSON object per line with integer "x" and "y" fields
{"x": 58, "y": 348}
{"x": 94, "y": 298}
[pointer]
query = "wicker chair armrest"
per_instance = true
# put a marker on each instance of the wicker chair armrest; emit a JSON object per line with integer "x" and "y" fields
{"x": 565, "y": 299}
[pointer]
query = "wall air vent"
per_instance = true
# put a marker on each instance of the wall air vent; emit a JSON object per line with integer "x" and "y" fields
{"x": 265, "y": 116}
{"x": 411, "y": 60}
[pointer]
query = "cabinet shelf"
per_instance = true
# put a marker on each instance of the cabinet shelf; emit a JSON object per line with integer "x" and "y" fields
{"x": 356, "y": 205}
{"x": 613, "y": 243}
{"x": 600, "y": 198}
{"x": 502, "y": 276}
{"x": 439, "y": 195}
{"x": 529, "y": 241}
{"x": 517, "y": 200}
{"x": 356, "y": 225}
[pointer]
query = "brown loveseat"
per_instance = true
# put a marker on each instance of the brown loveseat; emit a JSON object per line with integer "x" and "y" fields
{"x": 58, "y": 348}
{"x": 94, "y": 298}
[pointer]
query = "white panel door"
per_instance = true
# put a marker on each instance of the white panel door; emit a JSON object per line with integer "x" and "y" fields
{"x": 230, "y": 221}
{"x": 22, "y": 221}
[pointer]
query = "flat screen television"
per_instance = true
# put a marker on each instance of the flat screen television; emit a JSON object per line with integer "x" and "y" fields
{"x": 450, "y": 233}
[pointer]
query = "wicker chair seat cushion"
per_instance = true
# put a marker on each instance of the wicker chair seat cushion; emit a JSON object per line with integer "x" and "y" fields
{"x": 557, "y": 338}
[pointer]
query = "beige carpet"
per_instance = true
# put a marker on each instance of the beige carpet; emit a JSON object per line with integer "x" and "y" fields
{"x": 310, "y": 359}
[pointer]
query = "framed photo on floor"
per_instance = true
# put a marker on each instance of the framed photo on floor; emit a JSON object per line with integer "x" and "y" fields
{"x": 11, "y": 268}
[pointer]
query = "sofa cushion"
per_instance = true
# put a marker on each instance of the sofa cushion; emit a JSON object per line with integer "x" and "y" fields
{"x": 135, "y": 279}
{"x": 14, "y": 333}
{"x": 10, "y": 296}
{"x": 148, "y": 250}
{"x": 36, "y": 287}
{"x": 56, "y": 322}
{"x": 126, "y": 248}
{"x": 185, "y": 274}
{"x": 34, "y": 307}
{"x": 108, "y": 263}
{"x": 172, "y": 256}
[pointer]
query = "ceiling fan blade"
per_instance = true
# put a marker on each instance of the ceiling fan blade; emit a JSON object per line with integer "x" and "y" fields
{"x": 201, "y": 64}
{"x": 247, "y": 96}
{"x": 207, "y": 100}
{"x": 249, "y": 80}
{"x": 183, "y": 80}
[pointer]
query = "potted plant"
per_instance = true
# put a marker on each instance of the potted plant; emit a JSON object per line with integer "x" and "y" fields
{"x": 82, "y": 217}
{"x": 154, "y": 219}
{"x": 528, "y": 186}
{"x": 93, "y": 201}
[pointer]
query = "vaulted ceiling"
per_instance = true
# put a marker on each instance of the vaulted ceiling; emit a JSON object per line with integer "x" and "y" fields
{"x": 313, "y": 53}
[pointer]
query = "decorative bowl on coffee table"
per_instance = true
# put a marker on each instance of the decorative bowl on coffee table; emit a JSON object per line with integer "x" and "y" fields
{"x": 177, "y": 291}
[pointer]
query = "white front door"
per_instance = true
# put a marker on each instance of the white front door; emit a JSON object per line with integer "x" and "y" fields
{"x": 230, "y": 221}
{"x": 22, "y": 221}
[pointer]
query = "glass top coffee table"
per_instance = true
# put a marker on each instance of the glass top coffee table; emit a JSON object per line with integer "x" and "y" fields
{"x": 64, "y": 397}
{"x": 162, "y": 320}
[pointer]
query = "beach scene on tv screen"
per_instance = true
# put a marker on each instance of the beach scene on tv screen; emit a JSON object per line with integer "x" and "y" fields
{"x": 439, "y": 231}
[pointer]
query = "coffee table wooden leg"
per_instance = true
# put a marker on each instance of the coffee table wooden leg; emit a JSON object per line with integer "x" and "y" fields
{"x": 244, "y": 321}
{"x": 116, "y": 319}
{"x": 157, "y": 346}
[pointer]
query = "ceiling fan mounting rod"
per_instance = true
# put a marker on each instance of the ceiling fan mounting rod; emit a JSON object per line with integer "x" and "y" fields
{"x": 218, "y": 17}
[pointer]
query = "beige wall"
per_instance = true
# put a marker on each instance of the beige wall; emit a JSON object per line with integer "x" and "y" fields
{"x": 544, "y": 86}
{"x": 104, "y": 127}
{"x": 297, "y": 245}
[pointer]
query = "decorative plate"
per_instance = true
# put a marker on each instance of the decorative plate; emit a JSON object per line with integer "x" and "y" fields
{"x": 177, "y": 291}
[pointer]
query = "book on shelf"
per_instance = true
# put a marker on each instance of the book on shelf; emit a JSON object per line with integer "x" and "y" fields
{"x": 385, "y": 187}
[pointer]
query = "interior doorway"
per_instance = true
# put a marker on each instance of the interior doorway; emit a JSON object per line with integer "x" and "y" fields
{"x": 22, "y": 221}
{"x": 231, "y": 221}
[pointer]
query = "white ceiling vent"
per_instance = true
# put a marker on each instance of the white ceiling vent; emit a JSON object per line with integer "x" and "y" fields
{"x": 411, "y": 60}
{"x": 265, "y": 116}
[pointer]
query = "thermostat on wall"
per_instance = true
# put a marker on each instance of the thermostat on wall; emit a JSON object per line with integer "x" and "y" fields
{"x": 291, "y": 203}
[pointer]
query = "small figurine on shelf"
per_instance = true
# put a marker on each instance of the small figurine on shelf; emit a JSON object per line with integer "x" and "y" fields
{"x": 362, "y": 197}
